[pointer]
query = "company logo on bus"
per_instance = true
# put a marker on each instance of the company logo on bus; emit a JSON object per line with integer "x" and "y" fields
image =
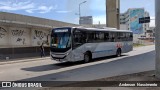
{"x": 61, "y": 30}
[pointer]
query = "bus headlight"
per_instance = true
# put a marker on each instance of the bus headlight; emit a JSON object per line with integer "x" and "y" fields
{"x": 67, "y": 54}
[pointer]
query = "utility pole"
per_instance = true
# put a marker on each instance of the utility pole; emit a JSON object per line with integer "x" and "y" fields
{"x": 157, "y": 33}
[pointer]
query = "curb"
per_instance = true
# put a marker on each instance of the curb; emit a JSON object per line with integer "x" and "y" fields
{"x": 143, "y": 46}
{"x": 22, "y": 60}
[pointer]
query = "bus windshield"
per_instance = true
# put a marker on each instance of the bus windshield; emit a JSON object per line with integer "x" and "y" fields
{"x": 61, "y": 40}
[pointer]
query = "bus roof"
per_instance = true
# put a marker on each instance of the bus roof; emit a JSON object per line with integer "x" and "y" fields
{"x": 103, "y": 29}
{"x": 100, "y": 29}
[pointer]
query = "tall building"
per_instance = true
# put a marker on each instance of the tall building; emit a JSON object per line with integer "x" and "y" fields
{"x": 146, "y": 26}
{"x": 112, "y": 13}
{"x": 130, "y": 20}
{"x": 86, "y": 20}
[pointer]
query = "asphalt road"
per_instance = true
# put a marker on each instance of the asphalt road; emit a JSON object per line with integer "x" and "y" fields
{"x": 139, "y": 60}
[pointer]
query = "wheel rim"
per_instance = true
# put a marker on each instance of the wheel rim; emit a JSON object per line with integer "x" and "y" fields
{"x": 86, "y": 58}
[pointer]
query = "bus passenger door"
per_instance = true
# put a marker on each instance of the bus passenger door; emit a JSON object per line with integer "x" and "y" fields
{"x": 79, "y": 39}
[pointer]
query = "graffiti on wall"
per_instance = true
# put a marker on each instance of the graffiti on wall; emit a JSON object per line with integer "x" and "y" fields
{"x": 21, "y": 40}
{"x": 19, "y": 35}
{"x": 41, "y": 36}
{"x": 2, "y": 32}
{"x": 17, "y": 32}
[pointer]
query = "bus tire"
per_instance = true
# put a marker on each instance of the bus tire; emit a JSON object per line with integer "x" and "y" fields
{"x": 87, "y": 57}
{"x": 119, "y": 52}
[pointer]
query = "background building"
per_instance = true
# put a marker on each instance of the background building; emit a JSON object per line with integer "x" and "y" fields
{"x": 150, "y": 33}
{"x": 112, "y": 13}
{"x": 86, "y": 20}
{"x": 99, "y": 25}
{"x": 146, "y": 26}
{"x": 130, "y": 21}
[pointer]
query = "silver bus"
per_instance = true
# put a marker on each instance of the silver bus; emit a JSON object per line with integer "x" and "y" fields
{"x": 70, "y": 44}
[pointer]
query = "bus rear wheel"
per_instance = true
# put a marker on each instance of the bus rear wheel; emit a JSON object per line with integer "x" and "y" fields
{"x": 87, "y": 57}
{"x": 119, "y": 52}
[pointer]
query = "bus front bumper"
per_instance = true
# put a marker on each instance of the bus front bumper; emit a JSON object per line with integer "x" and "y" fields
{"x": 60, "y": 57}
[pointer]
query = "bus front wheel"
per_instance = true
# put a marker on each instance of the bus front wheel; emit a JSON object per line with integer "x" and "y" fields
{"x": 119, "y": 52}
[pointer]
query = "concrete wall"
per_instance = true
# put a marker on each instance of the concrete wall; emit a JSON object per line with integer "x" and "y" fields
{"x": 21, "y": 36}
{"x": 21, "y": 52}
{"x": 18, "y": 42}
{"x": 39, "y": 36}
{"x": 4, "y": 35}
{"x": 21, "y": 30}
{"x": 33, "y": 20}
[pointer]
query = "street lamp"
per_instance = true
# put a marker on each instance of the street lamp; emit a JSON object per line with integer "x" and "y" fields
{"x": 80, "y": 9}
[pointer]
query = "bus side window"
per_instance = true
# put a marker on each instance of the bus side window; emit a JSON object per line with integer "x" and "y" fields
{"x": 83, "y": 37}
{"x": 106, "y": 36}
{"x": 79, "y": 38}
{"x": 122, "y": 36}
{"x": 112, "y": 37}
{"x": 131, "y": 37}
{"x": 118, "y": 37}
{"x": 128, "y": 36}
{"x": 76, "y": 39}
{"x": 101, "y": 36}
{"x": 90, "y": 37}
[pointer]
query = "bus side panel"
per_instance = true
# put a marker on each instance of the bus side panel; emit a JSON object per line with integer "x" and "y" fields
{"x": 78, "y": 53}
{"x": 105, "y": 49}
{"x": 127, "y": 46}
{"x": 101, "y": 49}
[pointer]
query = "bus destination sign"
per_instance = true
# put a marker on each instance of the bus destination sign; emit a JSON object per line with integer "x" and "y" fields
{"x": 61, "y": 30}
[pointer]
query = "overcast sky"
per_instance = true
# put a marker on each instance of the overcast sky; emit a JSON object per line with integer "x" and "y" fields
{"x": 65, "y": 10}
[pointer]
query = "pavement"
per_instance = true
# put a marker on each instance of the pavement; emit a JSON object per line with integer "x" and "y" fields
{"x": 146, "y": 76}
{"x": 139, "y": 60}
{"x": 43, "y": 69}
{"x": 2, "y": 62}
